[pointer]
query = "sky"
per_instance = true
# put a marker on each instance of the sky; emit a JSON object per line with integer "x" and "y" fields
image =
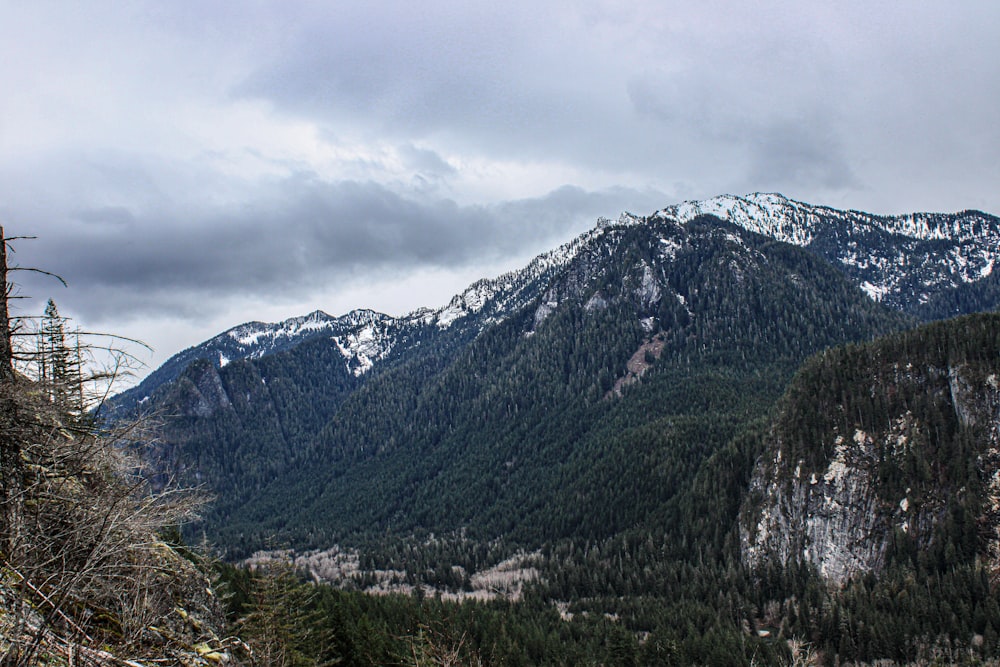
{"x": 189, "y": 166}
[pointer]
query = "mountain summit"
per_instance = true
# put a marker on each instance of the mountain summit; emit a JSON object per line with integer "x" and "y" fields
{"x": 908, "y": 261}
{"x": 930, "y": 265}
{"x": 682, "y": 412}
{"x": 700, "y": 308}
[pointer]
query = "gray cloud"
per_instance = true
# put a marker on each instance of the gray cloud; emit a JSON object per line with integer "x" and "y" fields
{"x": 803, "y": 154}
{"x": 172, "y": 159}
{"x": 425, "y": 162}
{"x": 503, "y": 78}
{"x": 299, "y": 234}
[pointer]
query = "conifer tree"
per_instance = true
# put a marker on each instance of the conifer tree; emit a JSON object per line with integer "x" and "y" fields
{"x": 59, "y": 364}
{"x": 81, "y": 567}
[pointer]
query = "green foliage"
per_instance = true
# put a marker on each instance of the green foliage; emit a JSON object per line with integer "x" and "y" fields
{"x": 481, "y": 443}
{"x": 517, "y": 433}
{"x": 905, "y": 385}
{"x": 357, "y": 629}
{"x": 926, "y": 401}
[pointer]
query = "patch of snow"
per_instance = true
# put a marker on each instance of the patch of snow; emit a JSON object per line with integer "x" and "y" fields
{"x": 447, "y": 316}
{"x": 363, "y": 346}
{"x": 769, "y": 214}
{"x": 595, "y": 302}
{"x": 544, "y": 310}
{"x": 668, "y": 249}
{"x": 876, "y": 292}
{"x": 627, "y": 219}
{"x": 468, "y": 302}
{"x": 733, "y": 238}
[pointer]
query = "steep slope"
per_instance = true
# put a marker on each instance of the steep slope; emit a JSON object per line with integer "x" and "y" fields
{"x": 931, "y": 265}
{"x": 524, "y": 389}
{"x": 581, "y": 414}
{"x": 885, "y": 452}
{"x": 363, "y": 337}
{"x": 258, "y": 339}
{"x": 237, "y": 408}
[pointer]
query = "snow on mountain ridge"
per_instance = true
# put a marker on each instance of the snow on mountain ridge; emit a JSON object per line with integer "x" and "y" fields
{"x": 367, "y": 337}
{"x": 891, "y": 257}
{"x": 507, "y": 291}
{"x": 360, "y": 335}
{"x": 784, "y": 219}
{"x": 901, "y": 260}
{"x": 362, "y": 346}
{"x": 251, "y": 333}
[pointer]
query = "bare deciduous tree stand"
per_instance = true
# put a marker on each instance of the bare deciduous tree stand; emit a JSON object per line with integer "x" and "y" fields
{"x": 83, "y": 573}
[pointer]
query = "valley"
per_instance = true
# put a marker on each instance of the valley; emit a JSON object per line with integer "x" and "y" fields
{"x": 691, "y": 425}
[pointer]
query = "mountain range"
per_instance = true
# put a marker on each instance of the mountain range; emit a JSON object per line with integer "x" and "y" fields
{"x": 930, "y": 265}
{"x": 727, "y": 409}
{"x": 519, "y": 390}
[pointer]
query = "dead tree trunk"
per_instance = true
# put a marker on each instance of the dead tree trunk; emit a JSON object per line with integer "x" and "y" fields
{"x": 10, "y": 446}
{"x": 6, "y": 353}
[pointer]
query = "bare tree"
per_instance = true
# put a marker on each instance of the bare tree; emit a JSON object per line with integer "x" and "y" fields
{"x": 80, "y": 561}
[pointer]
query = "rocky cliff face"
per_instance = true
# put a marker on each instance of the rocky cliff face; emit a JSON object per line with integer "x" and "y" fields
{"x": 890, "y": 455}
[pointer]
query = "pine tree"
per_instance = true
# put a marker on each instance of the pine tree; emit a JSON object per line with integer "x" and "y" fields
{"x": 59, "y": 364}
{"x": 80, "y": 563}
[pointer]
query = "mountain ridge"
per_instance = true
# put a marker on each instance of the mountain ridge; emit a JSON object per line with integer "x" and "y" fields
{"x": 499, "y": 411}
{"x": 909, "y": 240}
{"x": 974, "y": 239}
{"x": 603, "y": 413}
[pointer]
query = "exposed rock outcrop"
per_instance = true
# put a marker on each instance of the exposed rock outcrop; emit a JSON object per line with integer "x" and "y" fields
{"x": 890, "y": 451}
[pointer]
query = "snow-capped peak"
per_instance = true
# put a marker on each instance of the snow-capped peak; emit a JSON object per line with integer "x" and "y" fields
{"x": 791, "y": 221}
{"x": 873, "y": 249}
{"x": 770, "y": 214}
{"x": 900, "y": 260}
{"x": 255, "y": 334}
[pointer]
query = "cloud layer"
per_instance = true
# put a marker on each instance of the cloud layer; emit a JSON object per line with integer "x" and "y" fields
{"x": 213, "y": 163}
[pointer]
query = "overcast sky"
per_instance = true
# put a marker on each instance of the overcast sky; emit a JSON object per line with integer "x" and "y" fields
{"x": 191, "y": 165}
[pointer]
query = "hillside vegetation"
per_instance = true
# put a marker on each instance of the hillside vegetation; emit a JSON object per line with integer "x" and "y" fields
{"x": 684, "y": 591}
{"x": 679, "y": 439}
{"x": 520, "y": 433}
{"x": 86, "y": 574}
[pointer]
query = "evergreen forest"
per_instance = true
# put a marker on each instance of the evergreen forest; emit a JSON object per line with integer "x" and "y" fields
{"x": 619, "y": 470}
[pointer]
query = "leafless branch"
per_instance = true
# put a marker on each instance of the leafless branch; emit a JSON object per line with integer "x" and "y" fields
{"x": 34, "y": 270}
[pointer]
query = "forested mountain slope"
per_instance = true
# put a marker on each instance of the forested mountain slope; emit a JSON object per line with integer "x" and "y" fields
{"x": 577, "y": 396}
{"x": 582, "y": 413}
{"x": 365, "y": 338}
{"x": 880, "y": 546}
{"x": 931, "y": 265}
{"x": 609, "y": 419}
{"x": 884, "y": 452}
